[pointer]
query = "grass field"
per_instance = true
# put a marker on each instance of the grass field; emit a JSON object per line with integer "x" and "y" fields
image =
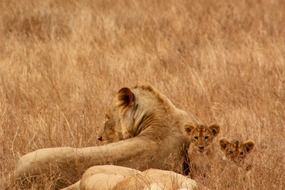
{"x": 61, "y": 62}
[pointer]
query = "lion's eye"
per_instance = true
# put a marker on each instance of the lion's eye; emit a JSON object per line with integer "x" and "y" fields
{"x": 196, "y": 138}
{"x": 231, "y": 152}
{"x": 107, "y": 116}
{"x": 206, "y": 137}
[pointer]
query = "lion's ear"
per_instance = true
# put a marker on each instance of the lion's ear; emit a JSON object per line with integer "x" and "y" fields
{"x": 224, "y": 143}
{"x": 125, "y": 97}
{"x": 188, "y": 129}
{"x": 248, "y": 146}
{"x": 215, "y": 129}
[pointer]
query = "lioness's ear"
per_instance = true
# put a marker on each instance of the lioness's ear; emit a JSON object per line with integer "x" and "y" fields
{"x": 248, "y": 146}
{"x": 223, "y": 144}
{"x": 188, "y": 129}
{"x": 215, "y": 129}
{"x": 125, "y": 97}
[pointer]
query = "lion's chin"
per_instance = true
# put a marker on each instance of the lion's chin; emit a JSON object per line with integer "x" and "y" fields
{"x": 201, "y": 151}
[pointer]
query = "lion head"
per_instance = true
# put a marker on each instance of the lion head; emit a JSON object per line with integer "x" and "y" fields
{"x": 133, "y": 110}
{"x": 201, "y": 136}
{"x": 235, "y": 150}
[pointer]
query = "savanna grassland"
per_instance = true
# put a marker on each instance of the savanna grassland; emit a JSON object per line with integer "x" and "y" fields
{"x": 61, "y": 62}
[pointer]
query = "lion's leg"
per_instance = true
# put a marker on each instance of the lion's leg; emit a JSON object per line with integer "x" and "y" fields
{"x": 41, "y": 160}
{"x": 71, "y": 162}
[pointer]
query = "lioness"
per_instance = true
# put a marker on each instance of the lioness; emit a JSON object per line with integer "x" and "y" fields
{"x": 201, "y": 150}
{"x": 150, "y": 121}
{"x": 121, "y": 178}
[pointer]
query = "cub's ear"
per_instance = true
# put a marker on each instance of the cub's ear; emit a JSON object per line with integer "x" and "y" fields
{"x": 125, "y": 97}
{"x": 188, "y": 128}
{"x": 224, "y": 143}
{"x": 248, "y": 146}
{"x": 215, "y": 129}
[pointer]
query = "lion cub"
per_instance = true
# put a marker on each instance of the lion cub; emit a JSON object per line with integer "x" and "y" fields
{"x": 201, "y": 151}
{"x": 236, "y": 151}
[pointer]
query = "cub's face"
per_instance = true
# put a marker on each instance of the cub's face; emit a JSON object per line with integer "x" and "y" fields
{"x": 201, "y": 136}
{"x": 236, "y": 151}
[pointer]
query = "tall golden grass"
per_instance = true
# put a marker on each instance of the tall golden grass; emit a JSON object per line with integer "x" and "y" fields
{"x": 223, "y": 60}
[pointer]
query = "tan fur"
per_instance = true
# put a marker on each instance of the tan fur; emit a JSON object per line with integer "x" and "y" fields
{"x": 75, "y": 186}
{"x": 149, "y": 121}
{"x": 121, "y": 178}
{"x": 109, "y": 133}
{"x": 232, "y": 167}
{"x": 201, "y": 151}
{"x": 104, "y": 177}
{"x": 237, "y": 151}
{"x": 156, "y": 179}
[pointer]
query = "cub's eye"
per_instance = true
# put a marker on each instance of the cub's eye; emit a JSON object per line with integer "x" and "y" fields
{"x": 196, "y": 138}
{"x": 241, "y": 153}
{"x": 107, "y": 116}
{"x": 206, "y": 137}
{"x": 231, "y": 152}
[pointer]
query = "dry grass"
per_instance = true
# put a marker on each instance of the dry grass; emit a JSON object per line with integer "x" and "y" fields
{"x": 61, "y": 62}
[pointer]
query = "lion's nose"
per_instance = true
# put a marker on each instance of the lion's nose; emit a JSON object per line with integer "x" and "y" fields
{"x": 201, "y": 147}
{"x": 100, "y": 138}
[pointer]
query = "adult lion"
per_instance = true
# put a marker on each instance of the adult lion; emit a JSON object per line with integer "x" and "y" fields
{"x": 106, "y": 177}
{"x": 151, "y": 126}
